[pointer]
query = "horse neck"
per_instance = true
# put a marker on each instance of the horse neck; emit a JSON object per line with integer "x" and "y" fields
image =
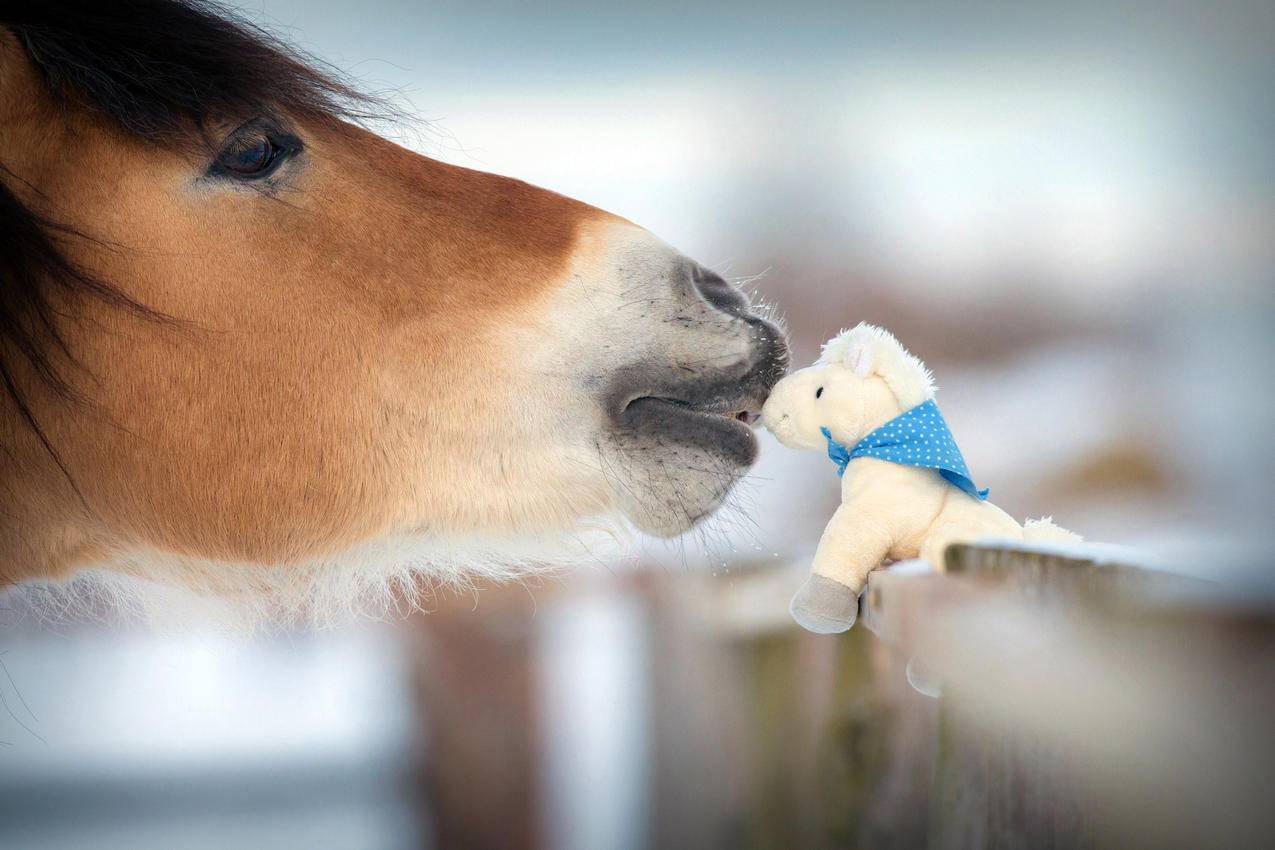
{"x": 42, "y": 529}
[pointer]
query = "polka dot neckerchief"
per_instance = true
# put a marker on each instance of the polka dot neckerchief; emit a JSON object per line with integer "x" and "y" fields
{"x": 917, "y": 437}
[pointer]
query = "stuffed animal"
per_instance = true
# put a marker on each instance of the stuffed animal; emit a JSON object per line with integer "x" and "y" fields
{"x": 905, "y": 490}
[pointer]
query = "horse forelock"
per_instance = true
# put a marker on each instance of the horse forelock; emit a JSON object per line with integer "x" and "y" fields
{"x": 165, "y": 70}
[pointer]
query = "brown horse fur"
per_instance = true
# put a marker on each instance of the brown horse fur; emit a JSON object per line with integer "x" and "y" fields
{"x": 377, "y": 365}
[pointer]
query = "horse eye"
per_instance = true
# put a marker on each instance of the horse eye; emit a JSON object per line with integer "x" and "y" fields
{"x": 818, "y": 392}
{"x": 249, "y": 158}
{"x": 252, "y": 155}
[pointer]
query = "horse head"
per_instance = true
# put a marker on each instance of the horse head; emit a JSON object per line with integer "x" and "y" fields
{"x": 236, "y": 327}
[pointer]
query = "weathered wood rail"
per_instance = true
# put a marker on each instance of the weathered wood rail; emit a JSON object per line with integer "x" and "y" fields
{"x": 1081, "y": 705}
{"x": 1085, "y": 704}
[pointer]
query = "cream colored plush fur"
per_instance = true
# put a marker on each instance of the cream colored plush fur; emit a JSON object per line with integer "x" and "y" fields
{"x": 864, "y": 378}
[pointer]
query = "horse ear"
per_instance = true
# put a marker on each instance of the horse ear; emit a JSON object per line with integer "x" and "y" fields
{"x": 860, "y": 357}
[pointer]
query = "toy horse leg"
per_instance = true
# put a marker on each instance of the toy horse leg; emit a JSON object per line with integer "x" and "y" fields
{"x": 850, "y": 549}
{"x": 964, "y": 520}
{"x": 943, "y": 534}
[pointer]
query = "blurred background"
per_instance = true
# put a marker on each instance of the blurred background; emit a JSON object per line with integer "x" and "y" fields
{"x": 1067, "y": 211}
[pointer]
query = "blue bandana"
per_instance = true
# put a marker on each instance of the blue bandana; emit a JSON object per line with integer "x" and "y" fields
{"x": 917, "y": 437}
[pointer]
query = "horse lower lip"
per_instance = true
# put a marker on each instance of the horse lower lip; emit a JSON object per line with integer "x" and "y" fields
{"x": 737, "y": 414}
{"x": 719, "y": 433}
{"x": 740, "y": 407}
{"x": 734, "y": 418}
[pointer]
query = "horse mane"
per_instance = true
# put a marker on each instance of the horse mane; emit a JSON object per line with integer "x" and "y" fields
{"x": 160, "y": 70}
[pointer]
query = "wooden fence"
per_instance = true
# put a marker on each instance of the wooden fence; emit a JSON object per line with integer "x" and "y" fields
{"x": 1019, "y": 700}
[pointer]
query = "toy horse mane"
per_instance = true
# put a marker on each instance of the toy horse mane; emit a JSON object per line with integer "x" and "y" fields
{"x": 870, "y": 350}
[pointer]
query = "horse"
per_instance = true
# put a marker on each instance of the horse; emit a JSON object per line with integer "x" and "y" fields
{"x": 248, "y": 346}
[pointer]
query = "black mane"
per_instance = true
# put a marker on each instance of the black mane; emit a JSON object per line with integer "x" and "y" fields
{"x": 162, "y": 71}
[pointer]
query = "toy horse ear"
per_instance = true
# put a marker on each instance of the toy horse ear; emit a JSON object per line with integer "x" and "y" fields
{"x": 860, "y": 357}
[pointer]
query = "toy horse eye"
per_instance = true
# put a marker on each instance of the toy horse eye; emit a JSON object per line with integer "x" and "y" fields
{"x": 818, "y": 392}
{"x": 252, "y": 153}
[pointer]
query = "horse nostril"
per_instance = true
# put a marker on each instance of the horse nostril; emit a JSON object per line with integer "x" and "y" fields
{"x": 707, "y": 278}
{"x": 716, "y": 290}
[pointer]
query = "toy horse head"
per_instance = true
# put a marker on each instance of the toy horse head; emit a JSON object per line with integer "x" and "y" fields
{"x": 863, "y": 378}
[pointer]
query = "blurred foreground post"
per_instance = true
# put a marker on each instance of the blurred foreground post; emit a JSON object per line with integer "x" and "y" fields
{"x": 1086, "y": 705}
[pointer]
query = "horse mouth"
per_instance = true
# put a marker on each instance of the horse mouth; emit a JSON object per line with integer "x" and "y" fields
{"x": 721, "y": 427}
{"x": 747, "y": 418}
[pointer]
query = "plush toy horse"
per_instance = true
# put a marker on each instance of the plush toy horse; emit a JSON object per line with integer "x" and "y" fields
{"x": 905, "y": 490}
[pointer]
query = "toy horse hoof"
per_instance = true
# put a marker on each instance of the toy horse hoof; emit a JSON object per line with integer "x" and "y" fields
{"x": 824, "y": 606}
